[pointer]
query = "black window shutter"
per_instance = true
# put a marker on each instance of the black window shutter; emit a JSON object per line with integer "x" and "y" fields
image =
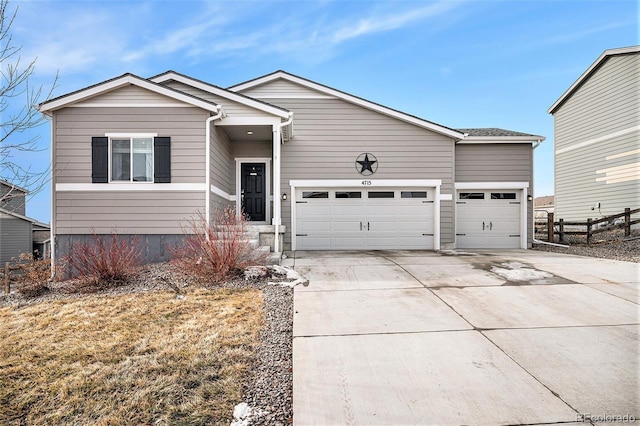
{"x": 162, "y": 160}
{"x": 99, "y": 159}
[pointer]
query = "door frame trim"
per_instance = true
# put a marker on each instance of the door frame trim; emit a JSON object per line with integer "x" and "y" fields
{"x": 267, "y": 195}
{"x": 488, "y": 186}
{"x": 366, "y": 184}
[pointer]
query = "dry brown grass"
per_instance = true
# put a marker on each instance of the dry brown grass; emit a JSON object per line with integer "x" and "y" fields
{"x": 132, "y": 359}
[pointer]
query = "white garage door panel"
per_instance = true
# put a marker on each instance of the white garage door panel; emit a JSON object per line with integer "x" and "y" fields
{"x": 487, "y": 220}
{"x": 364, "y": 223}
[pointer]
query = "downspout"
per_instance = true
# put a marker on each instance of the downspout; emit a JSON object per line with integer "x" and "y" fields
{"x": 207, "y": 197}
{"x": 276, "y": 178}
{"x": 533, "y": 212}
{"x": 52, "y": 230}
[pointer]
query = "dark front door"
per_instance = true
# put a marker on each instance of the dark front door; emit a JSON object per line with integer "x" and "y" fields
{"x": 253, "y": 191}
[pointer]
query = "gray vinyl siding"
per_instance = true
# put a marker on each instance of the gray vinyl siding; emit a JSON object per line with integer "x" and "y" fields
{"x": 331, "y": 133}
{"x": 500, "y": 162}
{"x": 221, "y": 160}
{"x": 143, "y": 212}
{"x": 12, "y": 199}
{"x": 231, "y": 108}
{"x": 152, "y": 212}
{"x": 221, "y": 169}
{"x": 15, "y": 237}
{"x": 131, "y": 95}
{"x": 605, "y": 104}
{"x": 74, "y": 128}
{"x": 281, "y": 89}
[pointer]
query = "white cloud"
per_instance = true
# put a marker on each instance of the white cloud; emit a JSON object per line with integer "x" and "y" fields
{"x": 391, "y": 21}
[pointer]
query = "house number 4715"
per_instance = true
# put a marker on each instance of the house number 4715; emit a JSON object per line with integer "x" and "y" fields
{"x": 366, "y": 182}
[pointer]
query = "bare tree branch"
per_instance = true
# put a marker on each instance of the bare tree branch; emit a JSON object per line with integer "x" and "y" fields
{"x": 19, "y": 115}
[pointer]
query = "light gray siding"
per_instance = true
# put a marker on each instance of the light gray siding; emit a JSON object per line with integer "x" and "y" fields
{"x": 220, "y": 160}
{"x": 145, "y": 212}
{"x": 282, "y": 89}
{"x": 129, "y": 95}
{"x": 331, "y": 133}
{"x": 126, "y": 212}
{"x": 74, "y": 128}
{"x": 231, "y": 108}
{"x": 15, "y": 237}
{"x": 494, "y": 163}
{"x": 597, "y": 137}
{"x": 221, "y": 169}
{"x": 500, "y": 162}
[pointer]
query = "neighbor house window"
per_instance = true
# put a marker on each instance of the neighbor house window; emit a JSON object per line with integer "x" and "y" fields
{"x": 132, "y": 159}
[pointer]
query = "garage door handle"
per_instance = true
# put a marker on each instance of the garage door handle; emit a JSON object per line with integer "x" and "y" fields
{"x": 483, "y": 226}
{"x": 361, "y": 226}
{"x": 367, "y": 226}
{"x": 490, "y": 226}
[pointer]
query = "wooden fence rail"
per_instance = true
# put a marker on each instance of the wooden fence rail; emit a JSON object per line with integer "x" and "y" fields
{"x": 5, "y": 273}
{"x": 554, "y": 228}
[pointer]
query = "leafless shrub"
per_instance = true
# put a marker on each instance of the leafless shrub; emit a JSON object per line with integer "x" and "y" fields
{"x": 32, "y": 275}
{"x": 106, "y": 261}
{"x": 216, "y": 251}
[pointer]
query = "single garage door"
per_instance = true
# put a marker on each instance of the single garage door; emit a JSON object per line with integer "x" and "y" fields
{"x": 488, "y": 219}
{"x": 364, "y": 219}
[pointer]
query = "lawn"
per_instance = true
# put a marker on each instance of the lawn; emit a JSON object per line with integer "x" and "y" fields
{"x": 144, "y": 358}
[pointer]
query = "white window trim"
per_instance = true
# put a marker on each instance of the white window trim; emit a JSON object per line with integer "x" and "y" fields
{"x": 523, "y": 187}
{"x": 132, "y": 136}
{"x": 366, "y": 184}
{"x": 128, "y": 186}
{"x": 267, "y": 172}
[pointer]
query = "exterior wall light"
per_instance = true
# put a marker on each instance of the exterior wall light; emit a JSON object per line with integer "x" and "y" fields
{"x": 284, "y": 196}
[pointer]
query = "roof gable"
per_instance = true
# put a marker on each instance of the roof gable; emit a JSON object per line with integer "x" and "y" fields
{"x": 334, "y": 93}
{"x": 83, "y": 95}
{"x": 222, "y": 93}
{"x": 590, "y": 71}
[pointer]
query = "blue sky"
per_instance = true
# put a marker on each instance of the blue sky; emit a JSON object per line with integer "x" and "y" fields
{"x": 475, "y": 63}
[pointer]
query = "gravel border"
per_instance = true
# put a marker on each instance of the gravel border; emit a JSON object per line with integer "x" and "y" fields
{"x": 268, "y": 387}
{"x": 607, "y": 245}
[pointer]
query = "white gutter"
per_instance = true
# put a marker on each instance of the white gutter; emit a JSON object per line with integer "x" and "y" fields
{"x": 207, "y": 142}
{"x": 277, "y": 206}
{"x": 533, "y": 211}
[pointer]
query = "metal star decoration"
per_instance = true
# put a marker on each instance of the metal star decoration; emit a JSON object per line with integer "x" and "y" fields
{"x": 367, "y": 164}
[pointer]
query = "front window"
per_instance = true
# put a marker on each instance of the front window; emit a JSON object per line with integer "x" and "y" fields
{"x": 132, "y": 159}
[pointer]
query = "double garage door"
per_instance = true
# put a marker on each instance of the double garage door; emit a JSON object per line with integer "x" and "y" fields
{"x": 488, "y": 219}
{"x": 364, "y": 219}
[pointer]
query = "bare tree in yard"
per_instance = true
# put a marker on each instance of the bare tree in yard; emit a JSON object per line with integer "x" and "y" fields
{"x": 18, "y": 113}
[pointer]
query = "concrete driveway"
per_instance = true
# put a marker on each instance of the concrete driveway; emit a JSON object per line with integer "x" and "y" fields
{"x": 512, "y": 337}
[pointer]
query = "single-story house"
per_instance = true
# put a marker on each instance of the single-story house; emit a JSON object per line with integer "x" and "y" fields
{"x": 318, "y": 167}
{"x": 19, "y": 233}
{"x": 597, "y": 139}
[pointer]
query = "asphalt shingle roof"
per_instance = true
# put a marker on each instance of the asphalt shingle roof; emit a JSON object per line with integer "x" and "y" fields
{"x": 493, "y": 131}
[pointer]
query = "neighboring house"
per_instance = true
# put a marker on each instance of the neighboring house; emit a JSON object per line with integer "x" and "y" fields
{"x": 543, "y": 206}
{"x": 318, "y": 167}
{"x": 19, "y": 233}
{"x": 597, "y": 139}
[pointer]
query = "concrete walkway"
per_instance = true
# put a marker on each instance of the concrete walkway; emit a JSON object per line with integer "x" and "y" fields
{"x": 513, "y": 337}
